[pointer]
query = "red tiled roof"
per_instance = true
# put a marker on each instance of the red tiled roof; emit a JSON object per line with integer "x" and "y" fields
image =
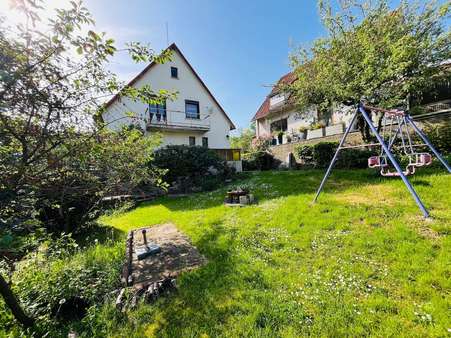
{"x": 287, "y": 79}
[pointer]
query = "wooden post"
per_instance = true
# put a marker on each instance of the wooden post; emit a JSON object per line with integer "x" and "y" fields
{"x": 13, "y": 304}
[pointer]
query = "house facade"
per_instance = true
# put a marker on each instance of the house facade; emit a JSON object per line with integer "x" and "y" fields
{"x": 194, "y": 117}
{"x": 279, "y": 120}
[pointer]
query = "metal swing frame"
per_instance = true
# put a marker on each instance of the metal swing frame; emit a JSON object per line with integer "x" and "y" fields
{"x": 386, "y": 150}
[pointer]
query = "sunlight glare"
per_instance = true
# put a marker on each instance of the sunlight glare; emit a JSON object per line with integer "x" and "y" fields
{"x": 14, "y": 17}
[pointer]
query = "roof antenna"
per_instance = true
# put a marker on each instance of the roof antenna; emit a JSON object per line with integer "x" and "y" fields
{"x": 167, "y": 34}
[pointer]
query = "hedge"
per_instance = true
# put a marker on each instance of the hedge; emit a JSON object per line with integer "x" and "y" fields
{"x": 320, "y": 154}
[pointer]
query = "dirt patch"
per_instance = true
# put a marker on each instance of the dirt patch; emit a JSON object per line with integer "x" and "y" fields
{"x": 421, "y": 226}
{"x": 368, "y": 195}
{"x": 177, "y": 255}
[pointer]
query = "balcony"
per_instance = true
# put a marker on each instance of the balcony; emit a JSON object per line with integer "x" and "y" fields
{"x": 176, "y": 121}
{"x": 276, "y": 101}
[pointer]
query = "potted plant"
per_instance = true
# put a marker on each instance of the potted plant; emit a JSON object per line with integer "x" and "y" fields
{"x": 280, "y": 137}
{"x": 303, "y": 132}
{"x": 316, "y": 127}
{"x": 289, "y": 138}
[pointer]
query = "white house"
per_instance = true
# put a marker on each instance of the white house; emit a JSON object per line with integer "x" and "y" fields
{"x": 279, "y": 119}
{"x": 195, "y": 117}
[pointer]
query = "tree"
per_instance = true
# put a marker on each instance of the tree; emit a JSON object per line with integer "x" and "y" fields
{"x": 374, "y": 52}
{"x": 57, "y": 160}
{"x": 243, "y": 141}
{"x": 52, "y": 88}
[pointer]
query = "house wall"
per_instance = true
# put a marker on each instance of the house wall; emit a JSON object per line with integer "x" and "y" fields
{"x": 294, "y": 121}
{"x": 341, "y": 115}
{"x": 188, "y": 88}
{"x": 262, "y": 128}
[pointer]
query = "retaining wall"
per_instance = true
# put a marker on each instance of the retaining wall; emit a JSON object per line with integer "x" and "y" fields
{"x": 282, "y": 151}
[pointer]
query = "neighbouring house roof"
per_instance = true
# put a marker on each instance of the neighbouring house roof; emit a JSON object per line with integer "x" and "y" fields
{"x": 173, "y": 47}
{"x": 264, "y": 110}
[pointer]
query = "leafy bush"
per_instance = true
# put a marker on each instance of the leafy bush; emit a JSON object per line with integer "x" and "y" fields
{"x": 305, "y": 153}
{"x": 60, "y": 282}
{"x": 440, "y": 136}
{"x": 191, "y": 166}
{"x": 354, "y": 158}
{"x": 323, "y": 153}
{"x": 78, "y": 175}
{"x": 259, "y": 160}
{"x": 320, "y": 155}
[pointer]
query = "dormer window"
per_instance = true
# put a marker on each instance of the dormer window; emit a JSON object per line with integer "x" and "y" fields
{"x": 276, "y": 100}
{"x": 174, "y": 72}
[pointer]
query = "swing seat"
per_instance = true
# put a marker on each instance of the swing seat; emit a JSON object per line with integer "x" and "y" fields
{"x": 424, "y": 159}
{"x": 377, "y": 162}
{"x": 420, "y": 159}
{"x": 395, "y": 113}
{"x": 410, "y": 170}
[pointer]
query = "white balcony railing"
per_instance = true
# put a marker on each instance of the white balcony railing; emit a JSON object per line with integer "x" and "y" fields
{"x": 176, "y": 120}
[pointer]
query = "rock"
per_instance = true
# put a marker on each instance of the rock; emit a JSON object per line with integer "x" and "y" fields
{"x": 212, "y": 170}
{"x": 244, "y": 200}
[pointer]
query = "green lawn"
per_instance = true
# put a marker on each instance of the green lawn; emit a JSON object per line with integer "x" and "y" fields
{"x": 362, "y": 261}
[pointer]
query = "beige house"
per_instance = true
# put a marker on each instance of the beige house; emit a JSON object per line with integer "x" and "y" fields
{"x": 279, "y": 119}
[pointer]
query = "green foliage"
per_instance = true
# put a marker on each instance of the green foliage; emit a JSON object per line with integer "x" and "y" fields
{"x": 374, "y": 52}
{"x": 320, "y": 155}
{"x": 49, "y": 281}
{"x": 194, "y": 166}
{"x": 368, "y": 263}
{"x": 368, "y": 260}
{"x": 323, "y": 153}
{"x": 259, "y": 160}
{"x": 56, "y": 163}
{"x": 440, "y": 136}
{"x": 244, "y": 140}
{"x": 79, "y": 173}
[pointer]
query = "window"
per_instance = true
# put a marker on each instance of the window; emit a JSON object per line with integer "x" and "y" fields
{"x": 192, "y": 141}
{"x": 174, "y": 72}
{"x": 280, "y": 125}
{"x": 157, "y": 111}
{"x": 192, "y": 109}
{"x": 205, "y": 142}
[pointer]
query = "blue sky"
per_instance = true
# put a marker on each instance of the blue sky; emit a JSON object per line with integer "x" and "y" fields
{"x": 237, "y": 47}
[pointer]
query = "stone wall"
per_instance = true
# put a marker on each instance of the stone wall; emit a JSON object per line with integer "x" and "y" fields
{"x": 282, "y": 151}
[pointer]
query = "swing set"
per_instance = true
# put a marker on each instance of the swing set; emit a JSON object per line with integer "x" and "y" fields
{"x": 403, "y": 131}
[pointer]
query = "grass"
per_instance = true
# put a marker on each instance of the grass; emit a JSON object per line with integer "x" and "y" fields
{"x": 360, "y": 262}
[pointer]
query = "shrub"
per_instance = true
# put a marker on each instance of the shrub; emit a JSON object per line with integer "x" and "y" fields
{"x": 323, "y": 153}
{"x": 354, "y": 158}
{"x": 305, "y": 153}
{"x": 440, "y": 136}
{"x": 191, "y": 166}
{"x": 61, "y": 281}
{"x": 320, "y": 155}
{"x": 259, "y": 160}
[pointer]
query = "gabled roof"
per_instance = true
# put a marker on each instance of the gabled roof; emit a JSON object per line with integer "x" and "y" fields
{"x": 263, "y": 111}
{"x": 173, "y": 47}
